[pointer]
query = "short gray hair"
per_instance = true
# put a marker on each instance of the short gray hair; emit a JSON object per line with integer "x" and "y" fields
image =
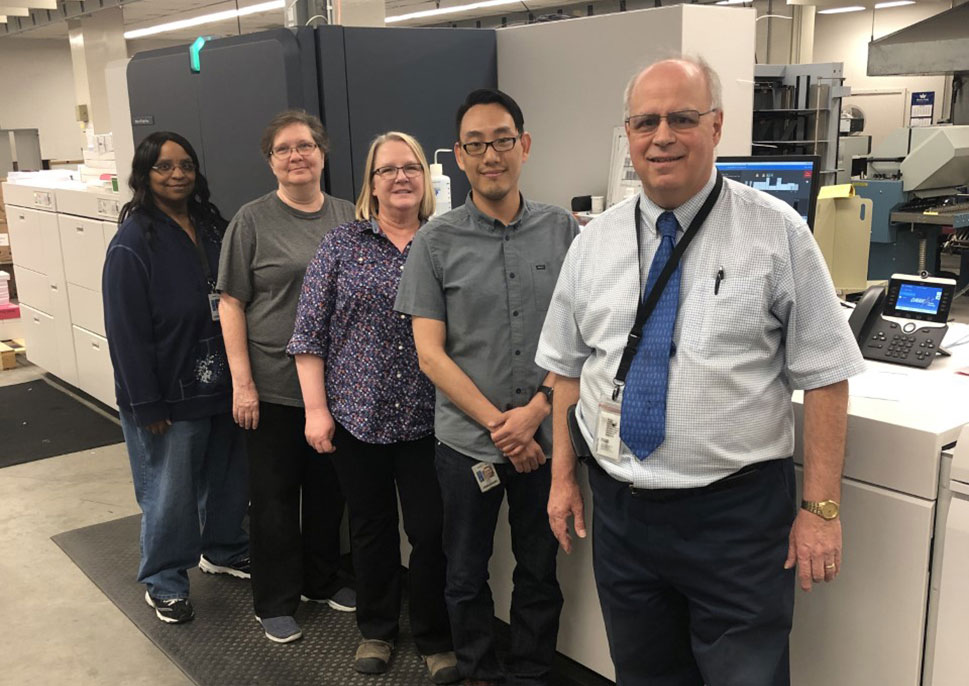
{"x": 709, "y": 74}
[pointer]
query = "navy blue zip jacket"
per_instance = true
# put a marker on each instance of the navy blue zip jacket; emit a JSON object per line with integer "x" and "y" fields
{"x": 168, "y": 355}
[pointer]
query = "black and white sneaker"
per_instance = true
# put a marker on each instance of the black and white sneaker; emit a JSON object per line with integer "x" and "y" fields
{"x": 173, "y": 610}
{"x": 239, "y": 569}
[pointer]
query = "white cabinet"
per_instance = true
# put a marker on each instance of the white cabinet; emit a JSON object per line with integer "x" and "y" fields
{"x": 58, "y": 238}
{"x": 109, "y": 228}
{"x": 87, "y": 309}
{"x": 33, "y": 288}
{"x": 95, "y": 374}
{"x": 38, "y": 264}
{"x": 82, "y": 243}
{"x": 26, "y": 239}
{"x": 40, "y": 338}
{"x": 879, "y": 598}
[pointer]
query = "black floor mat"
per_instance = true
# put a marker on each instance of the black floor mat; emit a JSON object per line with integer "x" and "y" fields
{"x": 225, "y": 645}
{"x": 38, "y": 421}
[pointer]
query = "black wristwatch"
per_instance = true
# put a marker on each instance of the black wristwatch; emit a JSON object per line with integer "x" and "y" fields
{"x": 547, "y": 392}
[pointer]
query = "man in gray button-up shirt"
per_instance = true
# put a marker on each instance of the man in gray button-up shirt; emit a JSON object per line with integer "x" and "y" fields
{"x": 478, "y": 283}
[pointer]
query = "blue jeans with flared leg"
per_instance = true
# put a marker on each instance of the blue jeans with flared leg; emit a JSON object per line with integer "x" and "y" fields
{"x": 192, "y": 486}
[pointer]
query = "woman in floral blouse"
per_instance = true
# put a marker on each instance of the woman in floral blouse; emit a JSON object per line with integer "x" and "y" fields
{"x": 364, "y": 392}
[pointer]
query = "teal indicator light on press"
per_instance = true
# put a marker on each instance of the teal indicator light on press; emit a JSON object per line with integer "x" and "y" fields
{"x": 194, "y": 53}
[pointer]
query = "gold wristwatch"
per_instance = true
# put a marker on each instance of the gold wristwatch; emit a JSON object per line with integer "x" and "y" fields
{"x": 825, "y": 509}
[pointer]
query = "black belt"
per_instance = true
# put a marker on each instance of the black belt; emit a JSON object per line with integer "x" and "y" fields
{"x": 666, "y": 494}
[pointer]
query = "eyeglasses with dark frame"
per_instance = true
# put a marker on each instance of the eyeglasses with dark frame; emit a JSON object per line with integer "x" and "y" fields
{"x": 678, "y": 121}
{"x": 166, "y": 168}
{"x": 478, "y": 148}
{"x": 389, "y": 172}
{"x": 284, "y": 151}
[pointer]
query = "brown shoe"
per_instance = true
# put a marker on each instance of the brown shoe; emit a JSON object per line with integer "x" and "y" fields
{"x": 478, "y": 682}
{"x": 373, "y": 656}
{"x": 442, "y": 667}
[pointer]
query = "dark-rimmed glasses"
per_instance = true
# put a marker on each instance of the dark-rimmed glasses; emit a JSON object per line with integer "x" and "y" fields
{"x": 478, "y": 148}
{"x": 187, "y": 166}
{"x": 411, "y": 171}
{"x": 284, "y": 151}
{"x": 678, "y": 121}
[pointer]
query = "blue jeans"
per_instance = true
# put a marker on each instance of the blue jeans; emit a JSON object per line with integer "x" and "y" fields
{"x": 191, "y": 485}
{"x": 470, "y": 517}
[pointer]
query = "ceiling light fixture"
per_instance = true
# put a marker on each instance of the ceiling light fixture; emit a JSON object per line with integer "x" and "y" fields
{"x": 894, "y": 3}
{"x": 842, "y": 10}
{"x": 450, "y": 10}
{"x": 205, "y": 19}
{"x": 11, "y": 11}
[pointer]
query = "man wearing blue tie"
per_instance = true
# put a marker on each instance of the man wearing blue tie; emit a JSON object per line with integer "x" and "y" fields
{"x": 687, "y": 315}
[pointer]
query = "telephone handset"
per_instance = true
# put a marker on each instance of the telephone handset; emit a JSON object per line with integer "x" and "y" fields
{"x": 906, "y": 322}
{"x": 865, "y": 312}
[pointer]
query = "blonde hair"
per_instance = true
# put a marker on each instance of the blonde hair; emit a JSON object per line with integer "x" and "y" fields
{"x": 367, "y": 204}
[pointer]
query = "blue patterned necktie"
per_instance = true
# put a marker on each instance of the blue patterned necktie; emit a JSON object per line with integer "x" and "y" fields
{"x": 643, "y": 422}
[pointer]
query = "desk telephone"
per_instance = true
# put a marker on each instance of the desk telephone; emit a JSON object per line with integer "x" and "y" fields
{"x": 904, "y": 323}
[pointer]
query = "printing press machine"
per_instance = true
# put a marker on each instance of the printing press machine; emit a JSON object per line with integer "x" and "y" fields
{"x": 917, "y": 180}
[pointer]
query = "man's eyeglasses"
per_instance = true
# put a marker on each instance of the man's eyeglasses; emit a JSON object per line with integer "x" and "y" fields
{"x": 411, "y": 171}
{"x": 478, "y": 148}
{"x": 284, "y": 151}
{"x": 678, "y": 121}
{"x": 187, "y": 166}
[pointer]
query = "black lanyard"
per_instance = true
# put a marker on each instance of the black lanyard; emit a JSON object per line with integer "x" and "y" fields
{"x": 646, "y": 305}
{"x": 203, "y": 257}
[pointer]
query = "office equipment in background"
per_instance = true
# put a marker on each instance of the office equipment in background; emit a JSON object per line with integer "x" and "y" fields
{"x": 914, "y": 178}
{"x": 905, "y": 323}
{"x": 380, "y": 79}
{"x": 797, "y": 111}
{"x": 853, "y": 151}
{"x": 791, "y": 178}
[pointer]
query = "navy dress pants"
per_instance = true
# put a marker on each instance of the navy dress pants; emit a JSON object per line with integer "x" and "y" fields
{"x": 692, "y": 583}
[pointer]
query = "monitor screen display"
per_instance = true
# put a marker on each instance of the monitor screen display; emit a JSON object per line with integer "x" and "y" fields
{"x": 921, "y": 299}
{"x": 792, "y": 179}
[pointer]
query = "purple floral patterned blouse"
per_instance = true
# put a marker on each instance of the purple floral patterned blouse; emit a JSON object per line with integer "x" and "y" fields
{"x": 374, "y": 386}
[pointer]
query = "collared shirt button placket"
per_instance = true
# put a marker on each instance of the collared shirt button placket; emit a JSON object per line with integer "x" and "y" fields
{"x": 515, "y": 286}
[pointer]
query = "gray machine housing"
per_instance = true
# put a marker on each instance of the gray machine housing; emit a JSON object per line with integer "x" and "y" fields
{"x": 359, "y": 81}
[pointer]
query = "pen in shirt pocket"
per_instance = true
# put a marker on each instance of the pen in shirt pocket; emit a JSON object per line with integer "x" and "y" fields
{"x": 716, "y": 284}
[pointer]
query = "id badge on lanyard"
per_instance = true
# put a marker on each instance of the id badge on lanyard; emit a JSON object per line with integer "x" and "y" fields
{"x": 214, "y": 306}
{"x": 607, "y": 442}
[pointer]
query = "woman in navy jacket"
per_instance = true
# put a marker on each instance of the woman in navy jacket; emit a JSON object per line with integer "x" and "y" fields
{"x": 171, "y": 376}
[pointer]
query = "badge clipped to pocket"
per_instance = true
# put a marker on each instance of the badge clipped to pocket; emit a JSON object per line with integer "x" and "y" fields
{"x": 607, "y": 441}
{"x": 485, "y": 475}
{"x": 214, "y": 306}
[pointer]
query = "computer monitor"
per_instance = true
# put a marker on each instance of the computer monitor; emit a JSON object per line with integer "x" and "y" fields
{"x": 791, "y": 178}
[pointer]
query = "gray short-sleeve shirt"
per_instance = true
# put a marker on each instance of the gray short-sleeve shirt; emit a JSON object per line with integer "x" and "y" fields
{"x": 264, "y": 256}
{"x": 491, "y": 284}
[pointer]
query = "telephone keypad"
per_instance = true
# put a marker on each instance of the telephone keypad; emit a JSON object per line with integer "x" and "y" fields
{"x": 890, "y": 342}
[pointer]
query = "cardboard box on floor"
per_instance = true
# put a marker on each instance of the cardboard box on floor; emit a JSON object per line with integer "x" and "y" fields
{"x": 842, "y": 229}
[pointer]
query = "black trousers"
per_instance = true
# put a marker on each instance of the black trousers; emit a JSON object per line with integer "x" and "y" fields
{"x": 470, "y": 518}
{"x": 372, "y": 476}
{"x": 693, "y": 588}
{"x": 295, "y": 511}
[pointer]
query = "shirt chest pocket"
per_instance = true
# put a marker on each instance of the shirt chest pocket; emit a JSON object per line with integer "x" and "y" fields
{"x": 733, "y": 319}
{"x": 543, "y": 284}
